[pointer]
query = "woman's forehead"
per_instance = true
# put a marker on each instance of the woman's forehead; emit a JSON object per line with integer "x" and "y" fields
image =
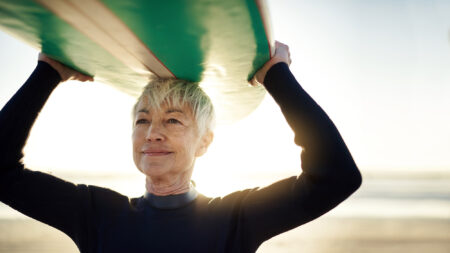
{"x": 166, "y": 106}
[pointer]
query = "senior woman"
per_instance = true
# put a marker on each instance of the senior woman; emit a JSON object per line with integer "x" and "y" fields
{"x": 173, "y": 126}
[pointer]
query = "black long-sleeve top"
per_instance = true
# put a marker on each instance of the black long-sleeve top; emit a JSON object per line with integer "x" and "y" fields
{"x": 102, "y": 220}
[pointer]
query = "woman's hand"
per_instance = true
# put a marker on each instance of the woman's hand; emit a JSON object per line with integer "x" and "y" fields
{"x": 281, "y": 55}
{"x": 64, "y": 72}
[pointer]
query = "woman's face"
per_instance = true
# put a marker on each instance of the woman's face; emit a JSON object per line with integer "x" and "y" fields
{"x": 166, "y": 142}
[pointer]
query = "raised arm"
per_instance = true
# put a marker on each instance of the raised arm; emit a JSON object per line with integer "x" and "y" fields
{"x": 38, "y": 195}
{"x": 19, "y": 114}
{"x": 329, "y": 173}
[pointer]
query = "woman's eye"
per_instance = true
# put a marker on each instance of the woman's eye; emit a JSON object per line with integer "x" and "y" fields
{"x": 141, "y": 121}
{"x": 173, "y": 121}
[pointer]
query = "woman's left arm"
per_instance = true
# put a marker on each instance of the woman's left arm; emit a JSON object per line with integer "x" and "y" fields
{"x": 329, "y": 175}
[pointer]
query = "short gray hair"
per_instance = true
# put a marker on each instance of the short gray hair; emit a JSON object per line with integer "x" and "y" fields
{"x": 176, "y": 92}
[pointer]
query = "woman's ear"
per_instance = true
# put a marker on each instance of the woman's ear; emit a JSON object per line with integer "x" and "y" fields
{"x": 205, "y": 141}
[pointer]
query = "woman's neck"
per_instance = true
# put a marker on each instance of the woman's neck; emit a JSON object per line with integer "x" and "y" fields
{"x": 164, "y": 187}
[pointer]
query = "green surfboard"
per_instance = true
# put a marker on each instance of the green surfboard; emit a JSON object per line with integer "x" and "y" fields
{"x": 220, "y": 44}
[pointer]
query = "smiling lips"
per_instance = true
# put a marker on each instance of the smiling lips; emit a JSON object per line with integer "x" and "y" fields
{"x": 156, "y": 152}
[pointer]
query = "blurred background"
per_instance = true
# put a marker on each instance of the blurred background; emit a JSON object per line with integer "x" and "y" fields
{"x": 380, "y": 69}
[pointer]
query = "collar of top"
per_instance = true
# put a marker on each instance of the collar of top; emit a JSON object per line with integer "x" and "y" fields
{"x": 172, "y": 201}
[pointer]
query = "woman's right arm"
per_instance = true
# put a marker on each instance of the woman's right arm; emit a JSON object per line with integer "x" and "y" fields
{"x": 41, "y": 196}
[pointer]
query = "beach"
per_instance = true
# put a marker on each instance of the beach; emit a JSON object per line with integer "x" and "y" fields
{"x": 326, "y": 234}
{"x": 386, "y": 235}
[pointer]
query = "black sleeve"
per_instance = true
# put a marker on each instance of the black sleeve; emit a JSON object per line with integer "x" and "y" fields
{"x": 18, "y": 115}
{"x": 41, "y": 196}
{"x": 329, "y": 173}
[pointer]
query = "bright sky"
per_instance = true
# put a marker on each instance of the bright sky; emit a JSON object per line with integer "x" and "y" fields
{"x": 380, "y": 69}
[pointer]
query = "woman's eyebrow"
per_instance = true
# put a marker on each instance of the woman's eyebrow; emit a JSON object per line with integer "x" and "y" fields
{"x": 144, "y": 111}
{"x": 170, "y": 110}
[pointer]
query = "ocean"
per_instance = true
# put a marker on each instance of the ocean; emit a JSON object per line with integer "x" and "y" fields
{"x": 381, "y": 195}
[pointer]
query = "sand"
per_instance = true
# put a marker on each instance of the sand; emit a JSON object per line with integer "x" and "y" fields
{"x": 327, "y": 234}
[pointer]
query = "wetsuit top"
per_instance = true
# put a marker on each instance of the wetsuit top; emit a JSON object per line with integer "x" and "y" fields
{"x": 102, "y": 220}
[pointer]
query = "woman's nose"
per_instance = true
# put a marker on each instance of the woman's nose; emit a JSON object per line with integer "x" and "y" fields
{"x": 155, "y": 133}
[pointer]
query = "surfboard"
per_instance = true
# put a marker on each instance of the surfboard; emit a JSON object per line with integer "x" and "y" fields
{"x": 220, "y": 44}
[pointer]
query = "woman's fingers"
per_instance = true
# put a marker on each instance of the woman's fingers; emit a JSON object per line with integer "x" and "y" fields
{"x": 81, "y": 77}
{"x": 282, "y": 54}
{"x": 64, "y": 72}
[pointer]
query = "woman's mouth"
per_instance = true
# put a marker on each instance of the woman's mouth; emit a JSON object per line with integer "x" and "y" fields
{"x": 156, "y": 153}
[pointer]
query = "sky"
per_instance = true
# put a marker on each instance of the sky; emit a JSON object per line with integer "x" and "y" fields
{"x": 380, "y": 69}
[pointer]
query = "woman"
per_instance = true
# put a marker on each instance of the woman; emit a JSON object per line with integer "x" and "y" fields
{"x": 172, "y": 127}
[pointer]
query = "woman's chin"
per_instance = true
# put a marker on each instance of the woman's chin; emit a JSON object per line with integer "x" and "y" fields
{"x": 154, "y": 170}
